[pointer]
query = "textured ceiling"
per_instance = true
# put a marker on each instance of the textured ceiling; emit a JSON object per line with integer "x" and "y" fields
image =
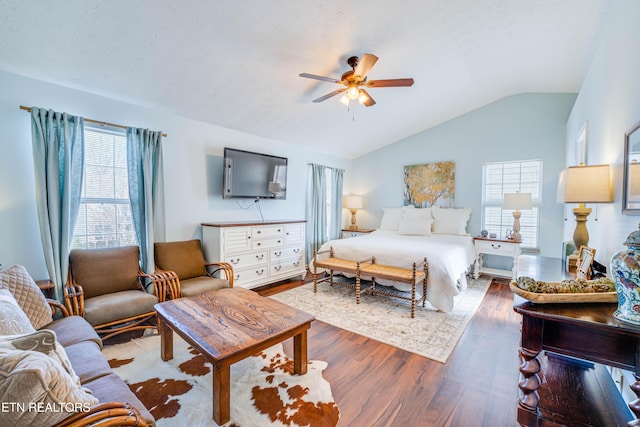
{"x": 236, "y": 63}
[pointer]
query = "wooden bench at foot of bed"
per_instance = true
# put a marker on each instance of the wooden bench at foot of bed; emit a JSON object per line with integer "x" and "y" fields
{"x": 368, "y": 268}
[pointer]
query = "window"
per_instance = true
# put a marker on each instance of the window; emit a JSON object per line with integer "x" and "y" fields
{"x": 104, "y": 218}
{"x": 510, "y": 177}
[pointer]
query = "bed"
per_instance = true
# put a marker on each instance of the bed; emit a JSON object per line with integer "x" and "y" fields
{"x": 450, "y": 256}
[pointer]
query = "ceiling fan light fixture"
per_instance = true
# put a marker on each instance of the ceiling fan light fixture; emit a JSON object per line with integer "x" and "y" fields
{"x": 345, "y": 100}
{"x": 353, "y": 92}
{"x": 362, "y": 98}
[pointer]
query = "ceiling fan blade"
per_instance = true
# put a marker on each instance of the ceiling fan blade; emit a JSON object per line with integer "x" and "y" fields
{"x": 329, "y": 95}
{"x": 370, "y": 101}
{"x": 389, "y": 83}
{"x": 313, "y": 76}
{"x": 365, "y": 64}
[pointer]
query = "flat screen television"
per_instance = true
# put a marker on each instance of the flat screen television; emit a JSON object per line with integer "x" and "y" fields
{"x": 249, "y": 175}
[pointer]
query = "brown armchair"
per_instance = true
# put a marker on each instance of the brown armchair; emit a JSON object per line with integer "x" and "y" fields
{"x": 194, "y": 274}
{"x": 107, "y": 288}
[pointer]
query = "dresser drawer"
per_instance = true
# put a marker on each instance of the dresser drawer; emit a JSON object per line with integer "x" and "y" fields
{"x": 502, "y": 248}
{"x": 267, "y": 232}
{"x": 250, "y": 274}
{"x": 286, "y": 265}
{"x": 267, "y": 243}
{"x": 286, "y": 252}
{"x": 245, "y": 260}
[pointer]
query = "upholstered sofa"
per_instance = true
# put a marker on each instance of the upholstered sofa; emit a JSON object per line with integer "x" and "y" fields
{"x": 53, "y": 372}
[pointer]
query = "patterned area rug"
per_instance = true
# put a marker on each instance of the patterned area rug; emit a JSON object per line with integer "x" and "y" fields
{"x": 264, "y": 391}
{"x": 431, "y": 333}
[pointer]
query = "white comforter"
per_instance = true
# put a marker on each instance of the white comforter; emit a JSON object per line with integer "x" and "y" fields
{"x": 449, "y": 259}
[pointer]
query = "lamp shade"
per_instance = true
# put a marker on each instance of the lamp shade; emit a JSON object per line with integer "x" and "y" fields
{"x": 352, "y": 202}
{"x": 274, "y": 187}
{"x": 516, "y": 201}
{"x": 585, "y": 184}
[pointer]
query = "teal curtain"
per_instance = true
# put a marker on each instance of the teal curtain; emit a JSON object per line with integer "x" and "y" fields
{"x": 146, "y": 190}
{"x": 316, "y": 209}
{"x": 58, "y": 157}
{"x": 335, "y": 221}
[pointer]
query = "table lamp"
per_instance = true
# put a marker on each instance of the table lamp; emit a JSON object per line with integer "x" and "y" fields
{"x": 516, "y": 202}
{"x": 353, "y": 203}
{"x": 584, "y": 184}
{"x": 274, "y": 188}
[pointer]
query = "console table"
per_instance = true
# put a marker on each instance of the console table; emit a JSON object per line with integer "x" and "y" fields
{"x": 560, "y": 390}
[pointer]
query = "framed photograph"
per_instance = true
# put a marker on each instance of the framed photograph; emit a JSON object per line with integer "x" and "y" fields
{"x": 581, "y": 145}
{"x": 585, "y": 259}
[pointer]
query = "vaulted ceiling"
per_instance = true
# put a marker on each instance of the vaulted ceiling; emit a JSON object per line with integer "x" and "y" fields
{"x": 235, "y": 63}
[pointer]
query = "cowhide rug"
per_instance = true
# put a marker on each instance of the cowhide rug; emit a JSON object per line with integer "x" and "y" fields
{"x": 264, "y": 391}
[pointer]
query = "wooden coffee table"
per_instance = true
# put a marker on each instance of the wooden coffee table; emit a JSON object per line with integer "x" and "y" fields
{"x": 228, "y": 325}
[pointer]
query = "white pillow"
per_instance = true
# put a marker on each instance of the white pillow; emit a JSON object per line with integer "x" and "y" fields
{"x": 416, "y": 222}
{"x": 13, "y": 321}
{"x": 391, "y": 218}
{"x": 450, "y": 220}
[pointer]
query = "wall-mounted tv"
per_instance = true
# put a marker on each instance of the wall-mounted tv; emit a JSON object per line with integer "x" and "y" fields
{"x": 249, "y": 175}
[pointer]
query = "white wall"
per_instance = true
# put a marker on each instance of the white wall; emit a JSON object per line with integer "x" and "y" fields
{"x": 610, "y": 101}
{"x": 192, "y": 160}
{"x": 520, "y": 127}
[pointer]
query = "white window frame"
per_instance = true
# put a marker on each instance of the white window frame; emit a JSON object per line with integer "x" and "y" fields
{"x": 84, "y": 237}
{"x": 508, "y": 177}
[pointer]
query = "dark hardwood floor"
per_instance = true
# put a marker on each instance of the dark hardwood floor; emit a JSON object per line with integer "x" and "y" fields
{"x": 375, "y": 384}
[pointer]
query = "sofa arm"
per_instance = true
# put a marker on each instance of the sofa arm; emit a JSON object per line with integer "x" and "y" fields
{"x": 55, "y": 305}
{"x": 74, "y": 299}
{"x": 165, "y": 284}
{"x": 106, "y": 414}
{"x": 225, "y": 267}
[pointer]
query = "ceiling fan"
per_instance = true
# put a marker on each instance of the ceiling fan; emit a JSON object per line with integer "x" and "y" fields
{"x": 355, "y": 80}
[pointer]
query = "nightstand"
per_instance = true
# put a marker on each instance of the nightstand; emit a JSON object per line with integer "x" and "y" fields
{"x": 346, "y": 233}
{"x": 508, "y": 248}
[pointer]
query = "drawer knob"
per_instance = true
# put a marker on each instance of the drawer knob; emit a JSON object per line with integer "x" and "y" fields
{"x": 277, "y": 267}
{"x": 259, "y": 257}
{"x": 277, "y": 253}
{"x": 494, "y": 246}
{"x": 297, "y": 263}
{"x": 234, "y": 261}
{"x": 296, "y": 251}
{"x": 259, "y": 272}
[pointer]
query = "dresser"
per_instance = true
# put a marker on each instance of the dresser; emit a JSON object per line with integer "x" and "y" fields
{"x": 504, "y": 248}
{"x": 260, "y": 252}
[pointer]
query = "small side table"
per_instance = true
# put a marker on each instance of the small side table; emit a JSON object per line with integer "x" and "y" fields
{"x": 46, "y": 286}
{"x": 508, "y": 248}
{"x": 346, "y": 233}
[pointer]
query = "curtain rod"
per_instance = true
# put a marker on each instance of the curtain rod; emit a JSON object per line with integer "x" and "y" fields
{"x": 28, "y": 109}
{"x": 328, "y": 167}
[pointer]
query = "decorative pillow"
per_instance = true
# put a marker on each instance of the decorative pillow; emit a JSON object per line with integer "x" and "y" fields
{"x": 28, "y": 294}
{"x": 416, "y": 222}
{"x": 450, "y": 220}
{"x": 13, "y": 321}
{"x": 391, "y": 218}
{"x": 44, "y": 341}
{"x": 35, "y": 382}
